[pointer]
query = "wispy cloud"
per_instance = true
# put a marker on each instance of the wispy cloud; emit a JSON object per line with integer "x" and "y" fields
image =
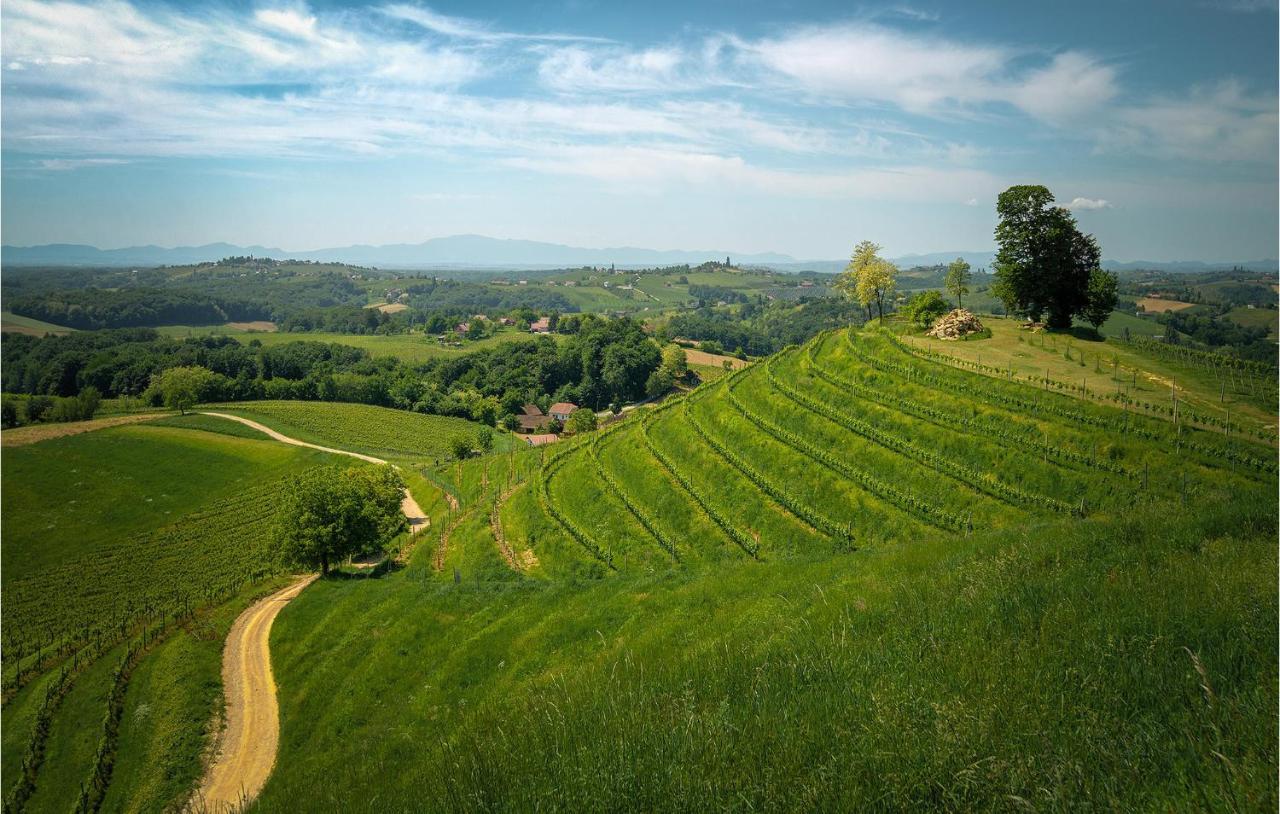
{"x": 1086, "y": 204}
{"x": 467, "y": 29}
{"x": 62, "y": 164}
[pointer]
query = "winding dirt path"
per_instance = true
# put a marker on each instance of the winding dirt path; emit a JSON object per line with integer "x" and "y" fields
{"x": 246, "y": 751}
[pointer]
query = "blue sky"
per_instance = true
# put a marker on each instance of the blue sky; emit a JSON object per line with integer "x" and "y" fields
{"x": 793, "y": 127}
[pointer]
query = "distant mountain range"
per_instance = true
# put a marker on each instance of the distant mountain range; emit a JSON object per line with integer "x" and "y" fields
{"x": 477, "y": 251}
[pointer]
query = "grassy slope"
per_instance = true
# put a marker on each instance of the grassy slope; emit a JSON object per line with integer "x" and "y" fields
{"x": 1091, "y": 362}
{"x": 378, "y": 431}
{"x": 108, "y": 491}
{"x": 1042, "y": 661}
{"x": 27, "y": 325}
{"x": 71, "y": 497}
{"x": 1046, "y": 666}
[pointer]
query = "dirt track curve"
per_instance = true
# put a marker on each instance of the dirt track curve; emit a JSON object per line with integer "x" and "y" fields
{"x": 247, "y": 746}
{"x": 412, "y": 511}
{"x": 246, "y": 750}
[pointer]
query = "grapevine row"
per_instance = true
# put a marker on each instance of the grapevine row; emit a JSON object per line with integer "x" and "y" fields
{"x": 992, "y": 395}
{"x": 548, "y": 505}
{"x": 907, "y": 502}
{"x": 815, "y": 520}
{"x": 982, "y": 481}
{"x": 744, "y": 542}
{"x": 650, "y": 525}
{"x": 965, "y": 425}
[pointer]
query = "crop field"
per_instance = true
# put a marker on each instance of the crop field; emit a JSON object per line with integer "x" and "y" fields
{"x": 115, "y": 541}
{"x": 378, "y": 431}
{"x": 907, "y": 515}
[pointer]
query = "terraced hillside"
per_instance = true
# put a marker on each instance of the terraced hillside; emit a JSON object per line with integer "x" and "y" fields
{"x": 847, "y": 576}
{"x": 853, "y": 442}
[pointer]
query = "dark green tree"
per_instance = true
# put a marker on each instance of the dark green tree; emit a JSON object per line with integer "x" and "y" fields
{"x": 328, "y": 514}
{"x": 1102, "y": 298}
{"x": 1044, "y": 262}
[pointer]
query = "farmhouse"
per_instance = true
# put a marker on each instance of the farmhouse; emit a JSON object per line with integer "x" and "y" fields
{"x": 539, "y": 440}
{"x": 541, "y": 326}
{"x": 561, "y": 410}
{"x": 462, "y": 327}
{"x": 532, "y": 419}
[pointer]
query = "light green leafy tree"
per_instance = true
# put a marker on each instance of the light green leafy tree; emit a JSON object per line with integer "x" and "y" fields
{"x": 957, "y": 280}
{"x": 181, "y": 388}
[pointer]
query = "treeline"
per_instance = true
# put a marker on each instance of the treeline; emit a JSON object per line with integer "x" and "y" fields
{"x": 712, "y": 294}
{"x": 92, "y": 309}
{"x": 1246, "y": 342}
{"x": 434, "y": 294}
{"x": 759, "y": 330}
{"x": 604, "y": 361}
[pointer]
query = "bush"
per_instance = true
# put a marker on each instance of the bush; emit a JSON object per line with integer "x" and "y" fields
{"x": 925, "y": 307}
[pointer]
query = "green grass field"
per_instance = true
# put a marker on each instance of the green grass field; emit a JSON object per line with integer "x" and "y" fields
{"x": 1254, "y": 318}
{"x": 843, "y": 578}
{"x": 849, "y": 576}
{"x": 109, "y": 534}
{"x": 378, "y": 431}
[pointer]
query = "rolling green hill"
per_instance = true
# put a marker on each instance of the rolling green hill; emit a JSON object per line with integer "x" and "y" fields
{"x": 847, "y": 577}
{"x": 854, "y": 575}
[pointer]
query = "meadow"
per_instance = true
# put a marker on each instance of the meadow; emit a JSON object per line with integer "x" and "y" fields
{"x": 857, "y": 574}
{"x": 409, "y": 347}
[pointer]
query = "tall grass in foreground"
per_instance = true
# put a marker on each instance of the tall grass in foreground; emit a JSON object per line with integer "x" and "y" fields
{"x": 1120, "y": 664}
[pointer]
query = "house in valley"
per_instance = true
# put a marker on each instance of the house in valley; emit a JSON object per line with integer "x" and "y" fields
{"x": 561, "y": 410}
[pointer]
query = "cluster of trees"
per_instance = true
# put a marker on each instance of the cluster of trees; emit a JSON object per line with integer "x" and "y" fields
{"x": 674, "y": 368}
{"x": 760, "y": 329}
{"x": 91, "y": 308}
{"x": 1206, "y": 329}
{"x": 713, "y": 294}
{"x": 1045, "y": 265}
{"x": 16, "y": 411}
{"x": 604, "y": 361}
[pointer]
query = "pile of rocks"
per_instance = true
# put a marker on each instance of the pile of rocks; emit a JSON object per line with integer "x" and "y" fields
{"x": 959, "y": 323}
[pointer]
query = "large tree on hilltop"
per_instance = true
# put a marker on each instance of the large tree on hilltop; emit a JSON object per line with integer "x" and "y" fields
{"x": 868, "y": 278}
{"x": 1045, "y": 262}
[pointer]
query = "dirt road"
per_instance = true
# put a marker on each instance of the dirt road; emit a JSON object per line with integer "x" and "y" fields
{"x": 246, "y": 750}
{"x": 21, "y": 436}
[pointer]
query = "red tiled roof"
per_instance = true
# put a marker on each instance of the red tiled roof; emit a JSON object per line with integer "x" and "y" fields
{"x": 531, "y": 409}
{"x": 562, "y": 407}
{"x": 539, "y": 440}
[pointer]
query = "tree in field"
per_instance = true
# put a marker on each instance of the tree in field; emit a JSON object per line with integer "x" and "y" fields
{"x": 868, "y": 278}
{"x": 674, "y": 360}
{"x": 180, "y": 388}
{"x": 1044, "y": 262}
{"x": 461, "y": 447}
{"x": 1102, "y": 298}
{"x": 328, "y": 514}
{"x": 581, "y": 420}
{"x": 484, "y": 439}
{"x": 957, "y": 280}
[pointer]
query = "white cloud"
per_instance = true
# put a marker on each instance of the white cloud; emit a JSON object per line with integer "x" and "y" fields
{"x": 1071, "y": 87}
{"x": 971, "y": 202}
{"x": 467, "y": 29}
{"x": 1086, "y": 204}
{"x": 1215, "y": 123}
